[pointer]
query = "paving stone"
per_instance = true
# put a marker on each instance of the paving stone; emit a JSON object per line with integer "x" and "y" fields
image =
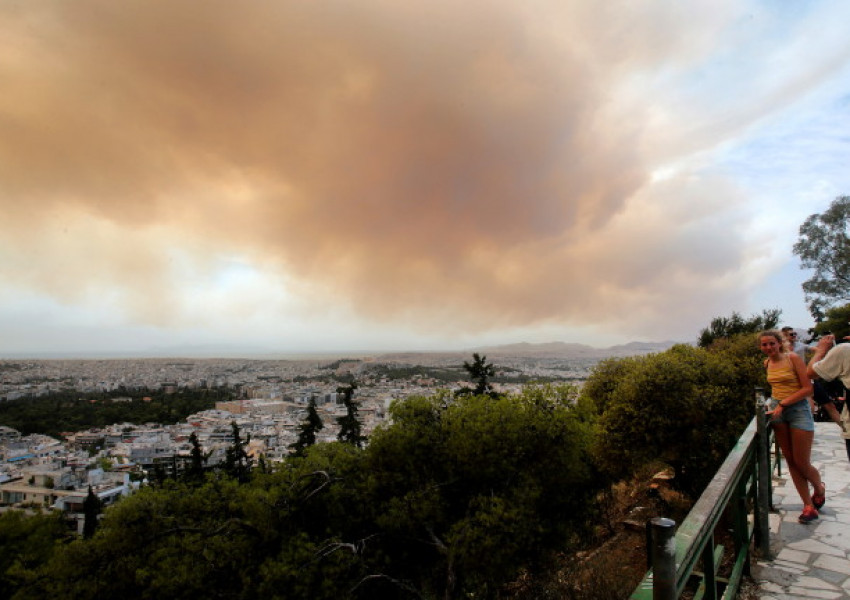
{"x": 811, "y": 561}
{"x": 836, "y": 578}
{"x": 813, "y": 593}
{"x": 769, "y": 586}
{"x": 792, "y": 568}
{"x": 840, "y": 565}
{"x": 816, "y": 547}
{"x": 794, "y": 556}
{"x": 811, "y": 582}
{"x": 775, "y": 576}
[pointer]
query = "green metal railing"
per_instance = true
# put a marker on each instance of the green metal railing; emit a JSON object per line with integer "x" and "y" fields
{"x": 689, "y": 556}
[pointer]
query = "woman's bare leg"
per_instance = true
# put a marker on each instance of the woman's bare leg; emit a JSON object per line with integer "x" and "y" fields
{"x": 801, "y": 444}
{"x": 786, "y": 439}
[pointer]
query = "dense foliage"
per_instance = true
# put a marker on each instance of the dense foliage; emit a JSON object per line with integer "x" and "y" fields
{"x": 685, "y": 407}
{"x": 479, "y": 488}
{"x": 725, "y": 327}
{"x": 26, "y": 542}
{"x": 71, "y": 410}
{"x": 835, "y": 321}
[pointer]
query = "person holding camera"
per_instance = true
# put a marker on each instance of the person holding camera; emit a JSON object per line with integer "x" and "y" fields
{"x": 829, "y": 362}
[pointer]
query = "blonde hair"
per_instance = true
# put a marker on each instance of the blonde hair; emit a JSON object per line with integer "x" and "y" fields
{"x": 777, "y": 335}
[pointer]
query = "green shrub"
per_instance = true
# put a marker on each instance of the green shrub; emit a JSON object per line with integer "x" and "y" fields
{"x": 479, "y": 487}
{"x": 685, "y": 407}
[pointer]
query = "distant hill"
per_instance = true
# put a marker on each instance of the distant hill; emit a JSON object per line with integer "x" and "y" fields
{"x": 550, "y": 350}
{"x": 569, "y": 350}
{"x": 559, "y": 350}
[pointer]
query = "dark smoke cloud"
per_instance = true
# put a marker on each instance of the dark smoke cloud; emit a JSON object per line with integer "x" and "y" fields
{"x": 437, "y": 163}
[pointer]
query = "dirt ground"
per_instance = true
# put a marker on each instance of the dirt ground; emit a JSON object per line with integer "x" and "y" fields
{"x": 614, "y": 562}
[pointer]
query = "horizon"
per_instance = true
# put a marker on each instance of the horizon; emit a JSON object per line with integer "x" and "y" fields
{"x": 259, "y": 354}
{"x": 431, "y": 175}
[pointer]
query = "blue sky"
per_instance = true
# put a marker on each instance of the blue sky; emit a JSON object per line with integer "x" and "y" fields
{"x": 306, "y": 177}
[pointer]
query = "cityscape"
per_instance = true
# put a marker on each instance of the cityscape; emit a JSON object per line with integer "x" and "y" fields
{"x": 266, "y": 400}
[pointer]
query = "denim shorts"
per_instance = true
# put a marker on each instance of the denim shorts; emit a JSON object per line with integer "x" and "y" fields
{"x": 798, "y": 416}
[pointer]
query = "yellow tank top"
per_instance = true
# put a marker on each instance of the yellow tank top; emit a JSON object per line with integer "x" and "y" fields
{"x": 782, "y": 379}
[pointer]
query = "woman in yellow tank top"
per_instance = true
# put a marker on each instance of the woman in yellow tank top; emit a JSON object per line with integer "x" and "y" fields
{"x": 792, "y": 419}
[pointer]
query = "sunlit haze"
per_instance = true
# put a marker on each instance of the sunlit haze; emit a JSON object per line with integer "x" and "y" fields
{"x": 206, "y": 178}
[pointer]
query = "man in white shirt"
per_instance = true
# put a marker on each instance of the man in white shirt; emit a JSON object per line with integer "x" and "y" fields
{"x": 831, "y": 362}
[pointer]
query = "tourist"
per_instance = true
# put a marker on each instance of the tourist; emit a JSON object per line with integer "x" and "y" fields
{"x": 791, "y": 417}
{"x": 825, "y": 397}
{"x": 830, "y": 362}
{"x": 793, "y": 342}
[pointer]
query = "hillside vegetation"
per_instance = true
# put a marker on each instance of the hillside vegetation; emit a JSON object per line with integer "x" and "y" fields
{"x": 70, "y": 410}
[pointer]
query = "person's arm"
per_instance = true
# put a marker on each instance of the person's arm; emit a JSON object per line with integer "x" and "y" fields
{"x": 823, "y": 346}
{"x": 833, "y": 414}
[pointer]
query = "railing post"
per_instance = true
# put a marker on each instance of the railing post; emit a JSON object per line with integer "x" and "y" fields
{"x": 763, "y": 489}
{"x": 742, "y": 534}
{"x": 663, "y": 559}
{"x": 709, "y": 570}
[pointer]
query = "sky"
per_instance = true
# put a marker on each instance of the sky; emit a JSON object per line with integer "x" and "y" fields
{"x": 189, "y": 178}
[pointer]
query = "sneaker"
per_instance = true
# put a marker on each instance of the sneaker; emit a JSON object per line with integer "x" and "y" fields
{"x": 819, "y": 499}
{"x": 808, "y": 515}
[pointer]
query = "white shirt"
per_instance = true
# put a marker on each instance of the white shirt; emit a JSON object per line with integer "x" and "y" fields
{"x": 836, "y": 364}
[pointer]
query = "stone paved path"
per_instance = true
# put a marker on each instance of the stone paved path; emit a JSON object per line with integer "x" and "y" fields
{"x": 811, "y": 561}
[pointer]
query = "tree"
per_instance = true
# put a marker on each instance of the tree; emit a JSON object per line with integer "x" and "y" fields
{"x": 27, "y": 541}
{"x": 480, "y": 372}
{"x": 198, "y": 460}
{"x": 262, "y": 465}
{"x": 684, "y": 407}
{"x": 237, "y": 463}
{"x": 835, "y": 321}
{"x": 308, "y": 430}
{"x": 470, "y": 492}
{"x": 92, "y": 507}
{"x": 349, "y": 424}
{"x": 725, "y": 327}
{"x": 824, "y": 246}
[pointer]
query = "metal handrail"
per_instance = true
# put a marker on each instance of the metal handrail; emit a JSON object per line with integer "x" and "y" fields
{"x": 744, "y": 475}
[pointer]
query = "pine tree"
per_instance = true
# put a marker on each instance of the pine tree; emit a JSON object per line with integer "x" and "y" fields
{"x": 349, "y": 424}
{"x": 237, "y": 463}
{"x": 92, "y": 507}
{"x": 198, "y": 460}
{"x": 480, "y": 372}
{"x": 308, "y": 430}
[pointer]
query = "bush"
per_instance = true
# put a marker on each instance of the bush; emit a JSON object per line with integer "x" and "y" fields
{"x": 478, "y": 488}
{"x": 26, "y": 542}
{"x": 685, "y": 407}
